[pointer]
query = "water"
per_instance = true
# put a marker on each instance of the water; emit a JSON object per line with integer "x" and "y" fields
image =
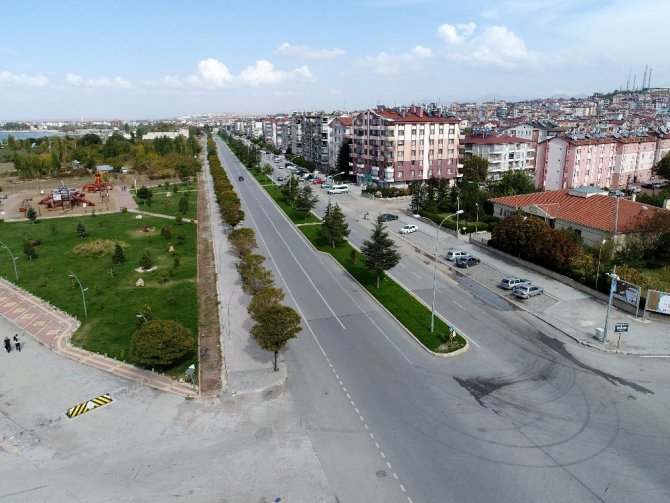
{"x": 22, "y": 135}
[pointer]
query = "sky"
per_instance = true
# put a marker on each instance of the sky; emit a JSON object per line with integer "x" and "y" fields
{"x": 153, "y": 59}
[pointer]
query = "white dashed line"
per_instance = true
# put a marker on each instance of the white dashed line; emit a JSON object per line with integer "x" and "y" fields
{"x": 395, "y": 475}
{"x": 459, "y": 305}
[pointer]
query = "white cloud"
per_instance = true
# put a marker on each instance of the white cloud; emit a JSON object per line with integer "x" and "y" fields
{"x": 22, "y": 80}
{"x": 214, "y": 74}
{"x": 97, "y": 82}
{"x": 385, "y": 63}
{"x": 493, "y": 46}
{"x": 306, "y": 52}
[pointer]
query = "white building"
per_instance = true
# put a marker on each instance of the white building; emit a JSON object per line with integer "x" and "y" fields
{"x": 503, "y": 152}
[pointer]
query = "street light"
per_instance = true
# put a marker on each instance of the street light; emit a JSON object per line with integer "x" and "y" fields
{"x": 437, "y": 244}
{"x": 614, "y": 278}
{"x": 14, "y": 257}
{"x": 600, "y": 250}
{"x": 83, "y": 290}
{"x": 458, "y": 212}
{"x": 477, "y": 224}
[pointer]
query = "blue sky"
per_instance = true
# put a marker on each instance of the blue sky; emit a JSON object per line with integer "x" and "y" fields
{"x": 134, "y": 59}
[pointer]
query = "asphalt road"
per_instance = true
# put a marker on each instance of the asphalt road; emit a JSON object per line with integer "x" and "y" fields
{"x": 523, "y": 416}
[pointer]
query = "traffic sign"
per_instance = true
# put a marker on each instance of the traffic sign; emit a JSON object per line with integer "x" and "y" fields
{"x": 620, "y": 328}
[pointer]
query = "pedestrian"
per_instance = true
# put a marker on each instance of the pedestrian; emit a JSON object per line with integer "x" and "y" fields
{"x": 8, "y": 344}
{"x": 17, "y": 342}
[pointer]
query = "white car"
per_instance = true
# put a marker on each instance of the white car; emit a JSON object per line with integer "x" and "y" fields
{"x": 527, "y": 291}
{"x": 456, "y": 254}
{"x": 407, "y": 229}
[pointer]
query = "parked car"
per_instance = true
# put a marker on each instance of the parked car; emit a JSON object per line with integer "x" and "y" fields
{"x": 240, "y": 178}
{"x": 456, "y": 254}
{"x": 326, "y": 185}
{"x": 512, "y": 282}
{"x": 280, "y": 178}
{"x": 318, "y": 181}
{"x": 527, "y": 291}
{"x": 387, "y": 217}
{"x": 467, "y": 261}
{"x": 407, "y": 229}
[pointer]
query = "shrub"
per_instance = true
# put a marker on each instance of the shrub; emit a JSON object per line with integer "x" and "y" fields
{"x": 145, "y": 260}
{"x": 96, "y": 248}
{"x": 166, "y": 232}
{"x": 161, "y": 343}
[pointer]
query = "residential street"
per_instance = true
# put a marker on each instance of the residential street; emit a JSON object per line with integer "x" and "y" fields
{"x": 525, "y": 414}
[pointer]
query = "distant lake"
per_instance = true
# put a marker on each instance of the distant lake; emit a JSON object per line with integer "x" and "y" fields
{"x": 22, "y": 135}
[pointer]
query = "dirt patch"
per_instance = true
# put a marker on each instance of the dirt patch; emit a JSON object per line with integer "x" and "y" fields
{"x": 209, "y": 343}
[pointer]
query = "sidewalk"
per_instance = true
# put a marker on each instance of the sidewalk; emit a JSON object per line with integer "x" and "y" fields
{"x": 53, "y": 328}
{"x": 571, "y": 311}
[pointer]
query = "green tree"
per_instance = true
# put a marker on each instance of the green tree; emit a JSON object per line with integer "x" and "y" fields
{"x": 305, "y": 200}
{"x": 344, "y": 156}
{"x": 264, "y": 299}
{"x": 290, "y": 189}
{"x": 144, "y": 194}
{"x": 166, "y": 232}
{"x": 145, "y": 260}
{"x": 475, "y": 169}
{"x": 278, "y": 325}
{"x": 267, "y": 170}
{"x": 81, "y": 229}
{"x": 119, "y": 256}
{"x": 379, "y": 251}
{"x": 243, "y": 240}
{"x": 31, "y": 214}
{"x": 521, "y": 235}
{"x": 183, "y": 204}
{"x": 256, "y": 280}
{"x": 161, "y": 343}
{"x": 419, "y": 197}
{"x": 512, "y": 183}
{"x": 249, "y": 263}
{"x": 334, "y": 227}
{"x": 663, "y": 167}
{"x": 29, "y": 249}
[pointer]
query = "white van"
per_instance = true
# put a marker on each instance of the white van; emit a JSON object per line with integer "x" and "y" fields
{"x": 338, "y": 189}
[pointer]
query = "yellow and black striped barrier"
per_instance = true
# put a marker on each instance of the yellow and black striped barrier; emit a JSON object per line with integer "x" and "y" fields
{"x": 93, "y": 403}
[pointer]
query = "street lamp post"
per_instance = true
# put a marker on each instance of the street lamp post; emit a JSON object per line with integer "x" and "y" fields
{"x": 458, "y": 212}
{"x": 83, "y": 290}
{"x": 14, "y": 257}
{"x": 600, "y": 250}
{"x": 437, "y": 244}
{"x": 614, "y": 278}
{"x": 477, "y": 224}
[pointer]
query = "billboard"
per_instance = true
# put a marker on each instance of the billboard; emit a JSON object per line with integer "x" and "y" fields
{"x": 658, "y": 302}
{"x": 627, "y": 292}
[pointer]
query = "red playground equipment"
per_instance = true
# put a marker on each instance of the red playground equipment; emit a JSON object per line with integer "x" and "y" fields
{"x": 98, "y": 185}
{"x": 64, "y": 197}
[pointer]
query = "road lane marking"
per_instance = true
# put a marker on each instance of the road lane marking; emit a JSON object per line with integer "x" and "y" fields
{"x": 459, "y": 306}
{"x": 415, "y": 274}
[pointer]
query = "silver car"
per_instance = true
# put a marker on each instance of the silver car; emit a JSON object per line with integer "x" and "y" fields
{"x": 512, "y": 282}
{"x": 527, "y": 291}
{"x": 456, "y": 254}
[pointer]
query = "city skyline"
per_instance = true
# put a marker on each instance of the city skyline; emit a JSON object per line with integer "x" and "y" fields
{"x": 159, "y": 59}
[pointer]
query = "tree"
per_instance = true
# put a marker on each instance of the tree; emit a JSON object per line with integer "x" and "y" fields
{"x": 144, "y": 194}
{"x": 29, "y": 249}
{"x": 278, "y": 325}
{"x": 183, "y": 204}
{"x": 305, "y": 200}
{"x": 249, "y": 263}
{"x": 267, "y": 170}
{"x": 559, "y": 250}
{"x": 663, "y": 167}
{"x": 166, "y": 231}
{"x": 81, "y": 229}
{"x": 243, "y": 240}
{"x": 263, "y": 300}
{"x": 520, "y": 235}
{"x": 257, "y": 279}
{"x": 290, "y": 189}
{"x": 145, "y": 260}
{"x": 119, "y": 256}
{"x": 31, "y": 214}
{"x": 334, "y": 227}
{"x": 512, "y": 183}
{"x": 379, "y": 251}
{"x": 419, "y": 197}
{"x": 475, "y": 169}
{"x": 344, "y": 156}
{"x": 161, "y": 343}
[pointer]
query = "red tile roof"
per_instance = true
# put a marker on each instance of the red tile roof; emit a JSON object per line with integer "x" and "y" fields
{"x": 346, "y": 121}
{"x": 492, "y": 139}
{"x": 595, "y": 211}
{"x": 413, "y": 117}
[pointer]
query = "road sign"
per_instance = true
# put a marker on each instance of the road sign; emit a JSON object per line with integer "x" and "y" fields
{"x": 621, "y": 328}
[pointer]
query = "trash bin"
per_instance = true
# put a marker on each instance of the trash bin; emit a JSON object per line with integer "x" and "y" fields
{"x": 600, "y": 334}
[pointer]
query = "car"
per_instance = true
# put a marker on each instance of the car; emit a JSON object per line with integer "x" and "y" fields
{"x": 512, "y": 282}
{"x": 467, "y": 262}
{"x": 456, "y": 254}
{"x": 387, "y": 217}
{"x": 318, "y": 181}
{"x": 408, "y": 229}
{"x": 240, "y": 178}
{"x": 527, "y": 291}
{"x": 326, "y": 185}
{"x": 280, "y": 178}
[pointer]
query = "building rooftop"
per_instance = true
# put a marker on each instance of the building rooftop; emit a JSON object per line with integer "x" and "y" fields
{"x": 492, "y": 139}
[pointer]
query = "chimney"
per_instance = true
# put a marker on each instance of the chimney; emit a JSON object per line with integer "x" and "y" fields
{"x": 420, "y": 110}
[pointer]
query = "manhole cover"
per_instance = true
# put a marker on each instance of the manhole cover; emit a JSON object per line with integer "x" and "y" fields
{"x": 381, "y": 474}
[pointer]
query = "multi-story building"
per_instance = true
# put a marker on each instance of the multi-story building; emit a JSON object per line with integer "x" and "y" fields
{"x": 340, "y": 128}
{"x": 662, "y": 144}
{"x": 535, "y": 131}
{"x": 296, "y": 134}
{"x": 634, "y": 159}
{"x": 392, "y": 147}
{"x": 504, "y": 153}
{"x": 315, "y": 133}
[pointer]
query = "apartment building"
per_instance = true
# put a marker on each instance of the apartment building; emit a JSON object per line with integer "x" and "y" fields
{"x": 340, "y": 128}
{"x": 392, "y": 147}
{"x": 315, "y": 132}
{"x": 634, "y": 159}
{"x": 535, "y": 131}
{"x": 296, "y": 134}
{"x": 503, "y": 152}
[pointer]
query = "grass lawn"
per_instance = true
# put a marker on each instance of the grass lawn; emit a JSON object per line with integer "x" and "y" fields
{"x": 161, "y": 203}
{"x": 660, "y": 275}
{"x": 113, "y": 301}
{"x": 295, "y": 216}
{"x": 403, "y": 305}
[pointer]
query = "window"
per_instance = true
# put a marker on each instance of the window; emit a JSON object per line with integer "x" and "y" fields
{"x": 413, "y": 143}
{"x": 412, "y": 172}
{"x": 439, "y": 151}
{"x": 399, "y": 174}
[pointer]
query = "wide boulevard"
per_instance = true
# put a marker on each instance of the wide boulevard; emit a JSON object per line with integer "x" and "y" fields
{"x": 524, "y": 415}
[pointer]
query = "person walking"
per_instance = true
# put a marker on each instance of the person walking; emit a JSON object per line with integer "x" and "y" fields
{"x": 8, "y": 344}
{"x": 17, "y": 342}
